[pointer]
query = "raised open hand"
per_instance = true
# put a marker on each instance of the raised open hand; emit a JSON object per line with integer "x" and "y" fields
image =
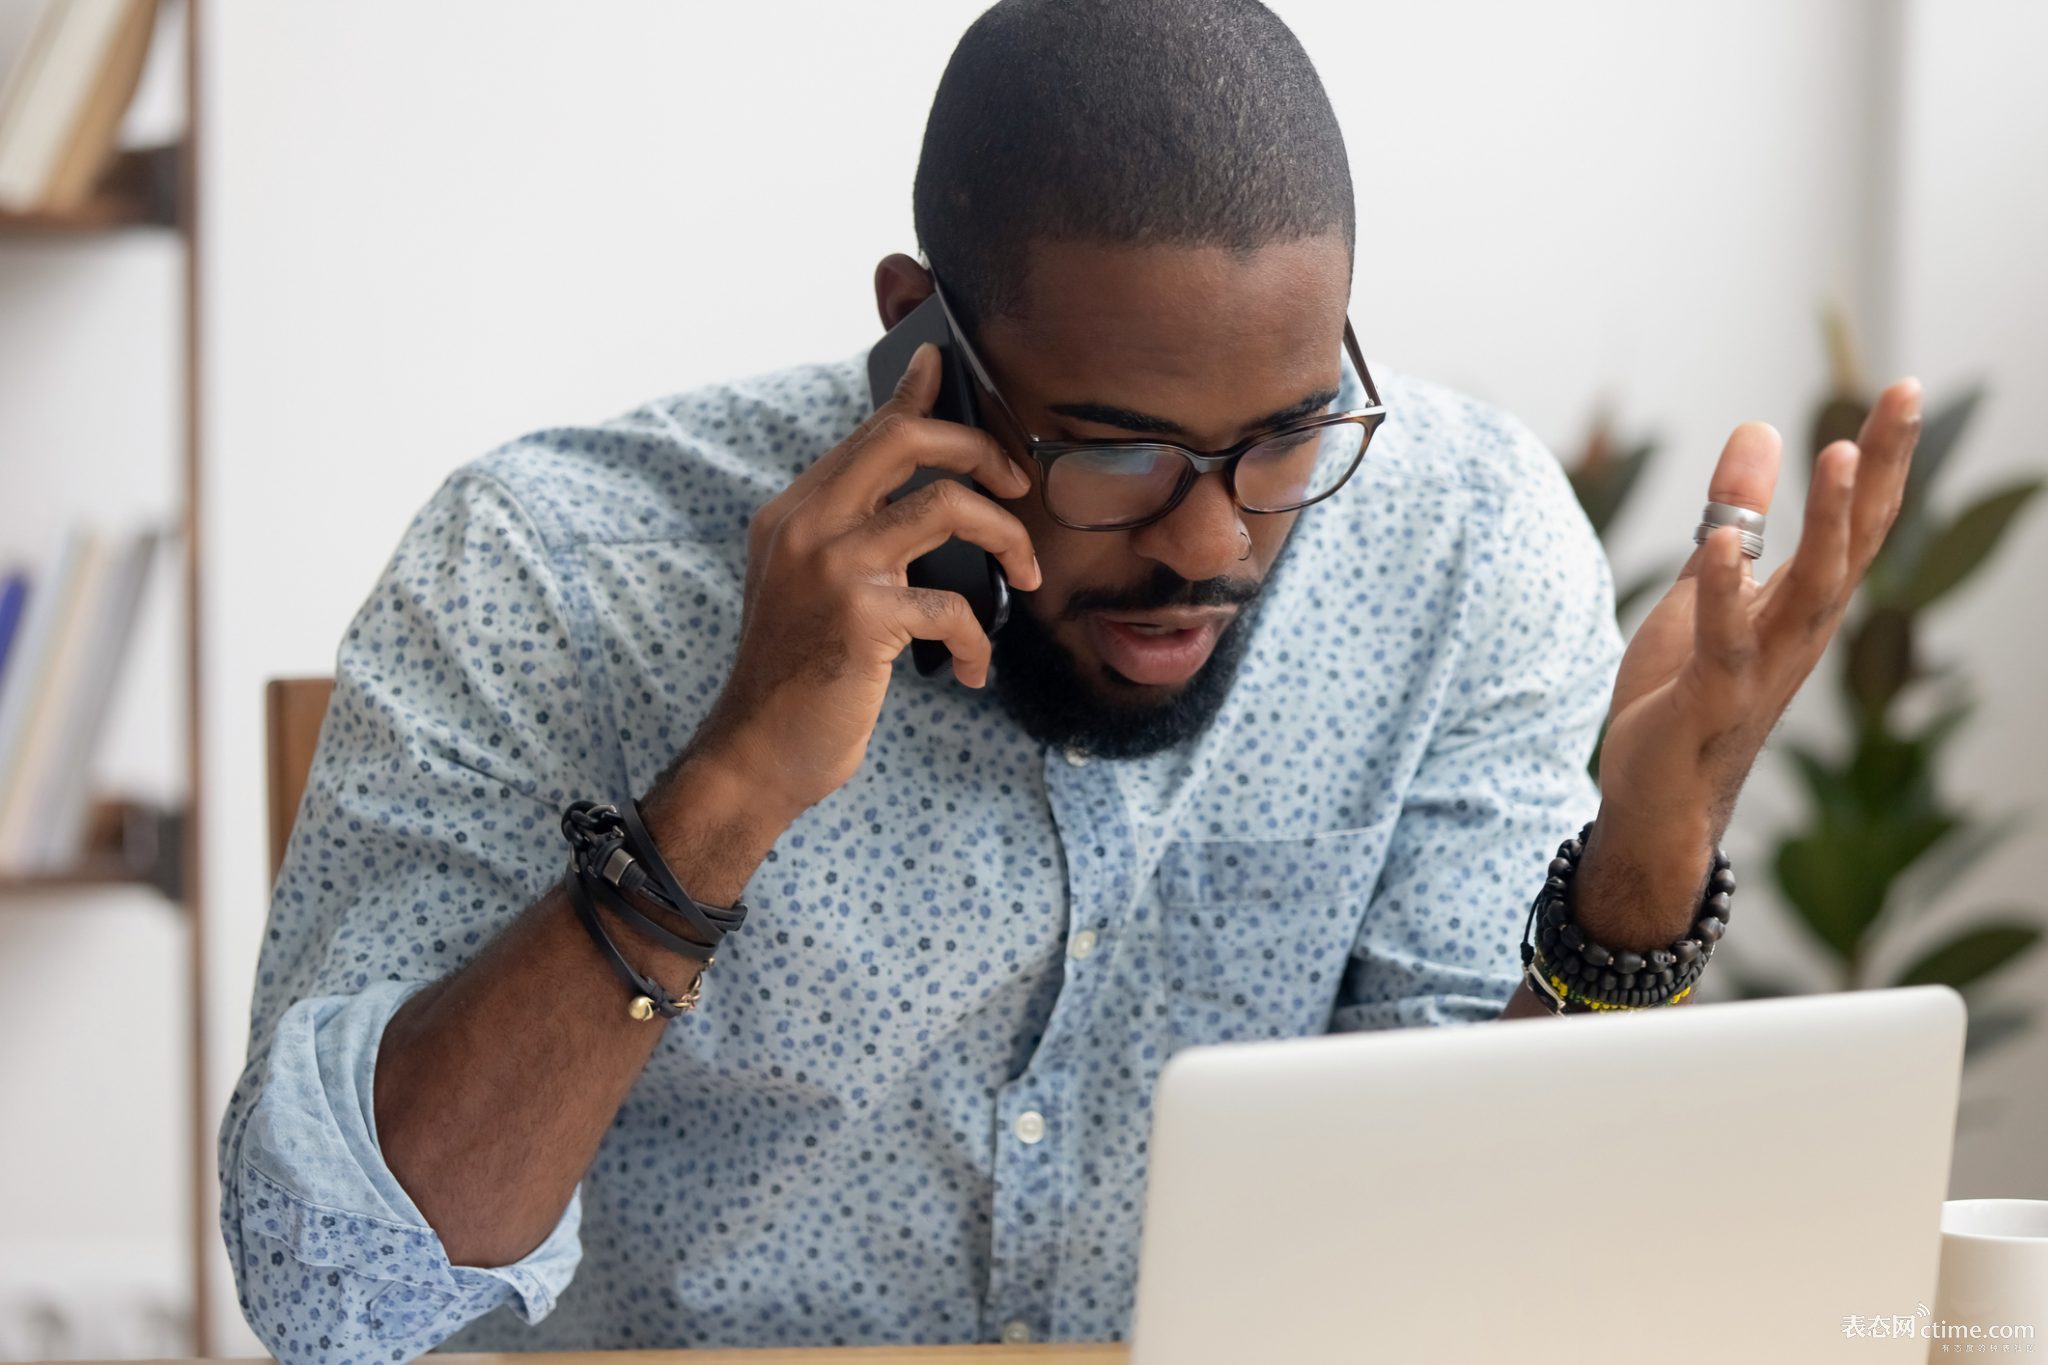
{"x": 1719, "y": 658}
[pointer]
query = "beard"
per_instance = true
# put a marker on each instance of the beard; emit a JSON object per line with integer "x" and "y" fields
{"x": 1040, "y": 683}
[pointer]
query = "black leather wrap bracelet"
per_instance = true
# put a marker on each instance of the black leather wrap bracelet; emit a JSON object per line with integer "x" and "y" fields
{"x": 615, "y": 863}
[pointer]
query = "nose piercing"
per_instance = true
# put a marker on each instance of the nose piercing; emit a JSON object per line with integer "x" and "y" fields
{"x": 1247, "y": 544}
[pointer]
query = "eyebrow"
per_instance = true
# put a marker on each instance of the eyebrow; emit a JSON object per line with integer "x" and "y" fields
{"x": 1126, "y": 419}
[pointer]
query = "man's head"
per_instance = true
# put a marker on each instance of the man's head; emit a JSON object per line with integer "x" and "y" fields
{"x": 1142, "y": 214}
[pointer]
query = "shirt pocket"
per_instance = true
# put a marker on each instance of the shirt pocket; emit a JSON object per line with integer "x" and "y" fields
{"x": 1257, "y": 931}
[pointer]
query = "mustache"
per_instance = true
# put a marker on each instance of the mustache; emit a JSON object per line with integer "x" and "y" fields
{"x": 1164, "y": 588}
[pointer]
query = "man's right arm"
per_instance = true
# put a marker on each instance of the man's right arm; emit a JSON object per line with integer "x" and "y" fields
{"x": 496, "y": 1083}
{"x": 427, "y": 825}
{"x": 437, "y": 1046}
{"x": 437, "y": 1049}
{"x": 538, "y": 1016}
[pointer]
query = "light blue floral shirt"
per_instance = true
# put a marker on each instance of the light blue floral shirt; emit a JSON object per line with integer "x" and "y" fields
{"x": 913, "y": 1103}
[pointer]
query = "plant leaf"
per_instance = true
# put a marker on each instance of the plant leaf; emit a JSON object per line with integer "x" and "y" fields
{"x": 1839, "y": 419}
{"x": 1809, "y": 872}
{"x": 1972, "y": 955}
{"x": 1961, "y": 548}
{"x": 1890, "y": 775}
{"x": 1604, "y": 485}
{"x": 1938, "y": 436}
{"x": 1992, "y": 1026}
{"x": 1946, "y": 864}
{"x": 1880, "y": 660}
{"x": 1751, "y": 986}
{"x": 1622, "y": 481}
{"x": 1941, "y": 728}
{"x": 1839, "y": 877}
{"x": 1827, "y": 785}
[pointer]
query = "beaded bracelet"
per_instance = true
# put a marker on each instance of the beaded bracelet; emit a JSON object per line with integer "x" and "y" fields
{"x": 1572, "y": 974}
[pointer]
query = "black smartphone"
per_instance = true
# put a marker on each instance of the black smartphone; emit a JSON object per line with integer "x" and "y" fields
{"x": 956, "y": 566}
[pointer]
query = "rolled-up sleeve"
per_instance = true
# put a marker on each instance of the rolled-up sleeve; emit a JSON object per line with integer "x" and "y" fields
{"x": 461, "y": 723}
{"x": 336, "y": 1258}
{"x": 1503, "y": 778}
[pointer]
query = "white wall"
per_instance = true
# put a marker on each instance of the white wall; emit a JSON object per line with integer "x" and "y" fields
{"x": 1972, "y": 305}
{"x": 434, "y": 227}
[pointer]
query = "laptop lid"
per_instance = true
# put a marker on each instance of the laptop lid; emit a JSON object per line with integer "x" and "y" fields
{"x": 1712, "y": 1183}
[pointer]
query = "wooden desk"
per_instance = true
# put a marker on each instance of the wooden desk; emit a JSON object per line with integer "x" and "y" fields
{"x": 1038, "y": 1354}
{"x": 850, "y": 1355}
{"x": 1042, "y": 1354}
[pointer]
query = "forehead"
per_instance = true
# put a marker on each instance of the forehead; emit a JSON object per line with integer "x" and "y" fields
{"x": 1208, "y": 336}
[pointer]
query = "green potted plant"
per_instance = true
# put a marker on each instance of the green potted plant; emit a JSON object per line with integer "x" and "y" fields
{"x": 1881, "y": 838}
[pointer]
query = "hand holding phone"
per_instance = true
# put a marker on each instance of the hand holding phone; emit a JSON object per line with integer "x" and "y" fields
{"x": 829, "y": 605}
{"x": 956, "y": 566}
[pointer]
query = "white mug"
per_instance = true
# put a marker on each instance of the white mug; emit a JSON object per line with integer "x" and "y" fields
{"x": 1994, "y": 1277}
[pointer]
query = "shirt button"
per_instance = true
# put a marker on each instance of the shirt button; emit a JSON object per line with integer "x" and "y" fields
{"x": 1016, "y": 1332}
{"x": 1030, "y": 1126}
{"x": 1077, "y": 757}
{"x": 1083, "y": 944}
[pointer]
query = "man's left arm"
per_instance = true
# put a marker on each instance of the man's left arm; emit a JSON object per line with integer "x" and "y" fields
{"x": 1715, "y": 664}
{"x": 1698, "y": 690}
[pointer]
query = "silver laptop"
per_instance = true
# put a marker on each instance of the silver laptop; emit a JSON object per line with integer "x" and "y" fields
{"x": 1715, "y": 1183}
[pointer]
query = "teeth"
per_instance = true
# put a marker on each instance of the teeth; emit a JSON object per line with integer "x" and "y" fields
{"x": 1155, "y": 630}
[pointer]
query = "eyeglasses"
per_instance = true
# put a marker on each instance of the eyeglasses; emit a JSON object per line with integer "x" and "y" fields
{"x": 1121, "y": 485}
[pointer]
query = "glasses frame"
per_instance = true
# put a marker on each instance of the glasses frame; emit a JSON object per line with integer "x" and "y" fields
{"x": 1194, "y": 463}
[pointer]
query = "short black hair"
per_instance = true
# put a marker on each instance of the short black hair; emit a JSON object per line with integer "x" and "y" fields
{"x": 1193, "y": 122}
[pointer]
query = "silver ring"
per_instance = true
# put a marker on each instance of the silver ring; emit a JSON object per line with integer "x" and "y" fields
{"x": 1246, "y": 533}
{"x": 1728, "y": 514}
{"x": 1749, "y": 524}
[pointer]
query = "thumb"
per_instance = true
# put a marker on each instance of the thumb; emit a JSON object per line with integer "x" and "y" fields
{"x": 918, "y": 389}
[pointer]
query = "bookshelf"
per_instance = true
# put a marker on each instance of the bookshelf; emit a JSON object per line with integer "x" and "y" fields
{"x": 131, "y": 845}
{"x": 127, "y": 844}
{"x": 140, "y": 190}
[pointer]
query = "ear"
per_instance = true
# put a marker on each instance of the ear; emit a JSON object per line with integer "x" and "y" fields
{"x": 900, "y": 285}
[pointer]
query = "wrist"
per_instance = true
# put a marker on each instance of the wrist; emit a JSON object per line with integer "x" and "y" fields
{"x": 736, "y": 765}
{"x": 713, "y": 825}
{"x": 1640, "y": 882}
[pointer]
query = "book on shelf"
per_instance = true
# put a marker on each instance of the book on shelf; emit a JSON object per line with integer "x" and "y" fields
{"x": 13, "y": 597}
{"x": 65, "y": 97}
{"x": 56, "y": 690}
{"x": 21, "y": 687}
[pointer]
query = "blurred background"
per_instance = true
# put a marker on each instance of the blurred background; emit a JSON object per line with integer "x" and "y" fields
{"x": 389, "y": 235}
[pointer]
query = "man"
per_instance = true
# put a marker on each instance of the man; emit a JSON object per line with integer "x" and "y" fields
{"x": 1233, "y": 770}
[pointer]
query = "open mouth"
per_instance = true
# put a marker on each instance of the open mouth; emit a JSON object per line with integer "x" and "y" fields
{"x": 1159, "y": 649}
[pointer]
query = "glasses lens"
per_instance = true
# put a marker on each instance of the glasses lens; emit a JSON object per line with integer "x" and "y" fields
{"x": 1113, "y": 485}
{"x": 1298, "y": 467}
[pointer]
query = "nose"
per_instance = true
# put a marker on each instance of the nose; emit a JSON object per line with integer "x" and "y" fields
{"x": 1199, "y": 539}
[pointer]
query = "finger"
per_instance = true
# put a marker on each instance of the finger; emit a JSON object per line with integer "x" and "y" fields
{"x": 882, "y": 457}
{"x": 917, "y": 388}
{"x": 1745, "y": 476}
{"x": 1723, "y": 638}
{"x": 1889, "y": 434}
{"x": 936, "y": 513}
{"x": 1810, "y": 590}
{"x": 902, "y": 437}
{"x": 929, "y": 614}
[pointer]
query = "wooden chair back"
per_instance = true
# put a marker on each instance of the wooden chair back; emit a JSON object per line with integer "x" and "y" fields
{"x": 293, "y": 709}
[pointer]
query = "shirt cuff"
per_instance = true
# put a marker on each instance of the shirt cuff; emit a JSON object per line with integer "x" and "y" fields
{"x": 314, "y": 1178}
